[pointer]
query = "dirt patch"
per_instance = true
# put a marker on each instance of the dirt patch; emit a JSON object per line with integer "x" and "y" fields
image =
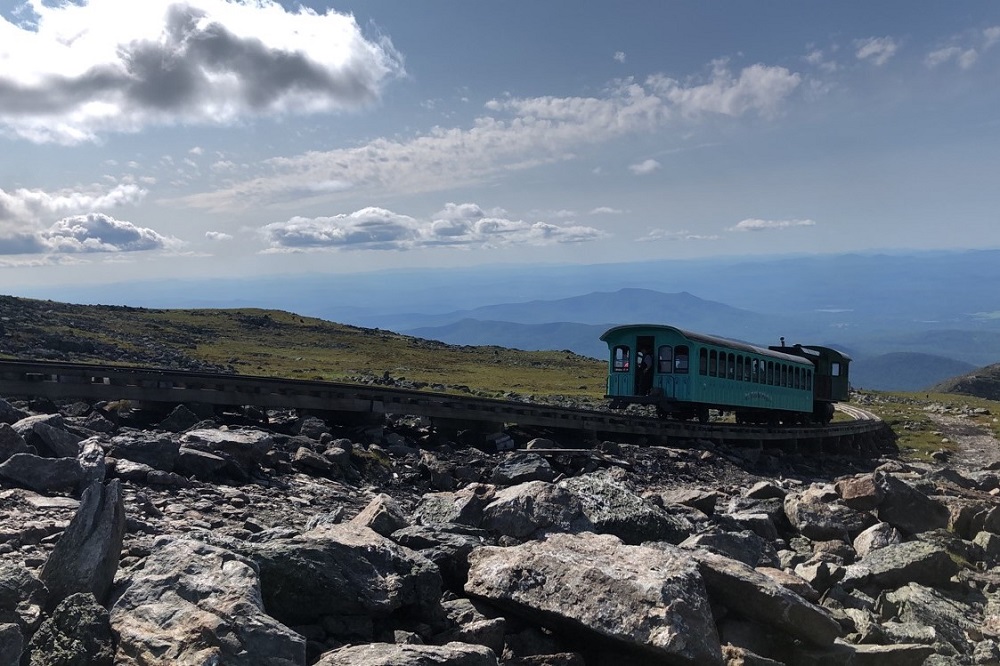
{"x": 977, "y": 447}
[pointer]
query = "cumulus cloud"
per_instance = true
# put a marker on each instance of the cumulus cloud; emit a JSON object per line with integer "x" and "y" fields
{"x": 619, "y": 56}
{"x": 517, "y": 133}
{"x": 682, "y": 235}
{"x": 94, "y": 232}
{"x": 218, "y": 236}
{"x": 752, "y": 224}
{"x": 876, "y": 49}
{"x": 964, "y": 50}
{"x": 644, "y": 167}
{"x": 457, "y": 225}
{"x": 74, "y": 71}
{"x": 22, "y": 207}
{"x": 758, "y": 88}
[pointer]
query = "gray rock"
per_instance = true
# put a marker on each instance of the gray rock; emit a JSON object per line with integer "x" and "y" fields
{"x": 157, "y": 451}
{"x": 10, "y": 414}
{"x": 521, "y": 467}
{"x": 754, "y": 595}
{"x": 179, "y": 419}
{"x": 906, "y": 508}
{"x": 11, "y": 644}
{"x": 193, "y": 603}
{"x": 22, "y": 597}
{"x": 819, "y": 516}
{"x": 383, "y": 514}
{"x": 445, "y": 544}
{"x": 199, "y": 464}
{"x": 532, "y": 507}
{"x": 55, "y": 440}
{"x": 387, "y": 654}
{"x": 902, "y": 563}
{"x": 85, "y": 559}
{"x": 875, "y": 537}
{"x": 12, "y": 442}
{"x": 745, "y": 547}
{"x": 643, "y": 599}
{"x": 344, "y": 570}
{"x": 42, "y": 474}
{"x": 78, "y": 632}
{"x": 615, "y": 509}
{"x": 463, "y": 506}
{"x": 312, "y": 427}
{"x": 953, "y": 621}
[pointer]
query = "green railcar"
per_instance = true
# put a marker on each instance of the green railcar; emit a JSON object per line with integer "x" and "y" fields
{"x": 685, "y": 374}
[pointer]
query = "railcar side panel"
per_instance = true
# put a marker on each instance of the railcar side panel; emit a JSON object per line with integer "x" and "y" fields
{"x": 684, "y": 372}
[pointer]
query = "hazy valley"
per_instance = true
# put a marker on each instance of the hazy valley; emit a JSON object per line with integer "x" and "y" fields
{"x": 910, "y": 320}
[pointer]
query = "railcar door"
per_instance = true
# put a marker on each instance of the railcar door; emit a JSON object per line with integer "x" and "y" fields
{"x": 665, "y": 371}
{"x": 681, "y": 379}
{"x": 620, "y": 379}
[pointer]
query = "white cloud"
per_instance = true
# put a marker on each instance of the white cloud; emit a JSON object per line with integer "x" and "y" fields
{"x": 218, "y": 236}
{"x": 619, "y": 56}
{"x": 98, "y": 66}
{"x": 964, "y": 50}
{"x": 752, "y": 224}
{"x": 520, "y": 134}
{"x": 458, "y": 225}
{"x": 682, "y": 235}
{"x": 758, "y": 88}
{"x": 645, "y": 167}
{"x": 606, "y": 210}
{"x": 23, "y": 207}
{"x": 94, "y": 232}
{"x": 877, "y": 49}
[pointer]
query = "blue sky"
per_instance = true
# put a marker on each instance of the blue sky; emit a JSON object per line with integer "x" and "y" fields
{"x": 206, "y": 138}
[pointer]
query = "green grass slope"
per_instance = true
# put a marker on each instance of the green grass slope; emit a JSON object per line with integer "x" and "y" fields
{"x": 281, "y": 344}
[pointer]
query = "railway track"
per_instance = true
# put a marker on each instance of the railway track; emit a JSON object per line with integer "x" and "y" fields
{"x": 56, "y": 380}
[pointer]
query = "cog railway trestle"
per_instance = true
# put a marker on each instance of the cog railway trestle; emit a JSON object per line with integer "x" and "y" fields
{"x": 57, "y": 380}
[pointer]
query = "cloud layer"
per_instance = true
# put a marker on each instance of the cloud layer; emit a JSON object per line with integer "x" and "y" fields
{"x": 516, "y": 133}
{"x": 457, "y": 225}
{"x": 73, "y": 71}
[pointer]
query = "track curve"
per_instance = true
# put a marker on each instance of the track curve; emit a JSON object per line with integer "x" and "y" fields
{"x": 57, "y": 380}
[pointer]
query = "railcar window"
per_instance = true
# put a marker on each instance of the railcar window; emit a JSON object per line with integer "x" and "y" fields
{"x": 784, "y": 375}
{"x": 703, "y": 361}
{"x": 754, "y": 377}
{"x": 681, "y": 359}
{"x": 666, "y": 357}
{"x": 835, "y": 369}
{"x": 620, "y": 358}
{"x": 809, "y": 380}
{"x": 731, "y": 373}
{"x": 770, "y": 373}
{"x": 739, "y": 368}
{"x": 713, "y": 363}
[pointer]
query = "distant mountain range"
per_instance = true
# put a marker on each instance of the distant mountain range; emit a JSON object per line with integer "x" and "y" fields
{"x": 504, "y": 325}
{"x": 905, "y": 317}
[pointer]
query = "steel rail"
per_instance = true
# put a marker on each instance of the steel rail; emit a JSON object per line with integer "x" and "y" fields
{"x": 59, "y": 380}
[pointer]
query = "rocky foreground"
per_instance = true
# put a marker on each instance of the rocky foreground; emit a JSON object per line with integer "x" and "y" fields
{"x": 192, "y": 538}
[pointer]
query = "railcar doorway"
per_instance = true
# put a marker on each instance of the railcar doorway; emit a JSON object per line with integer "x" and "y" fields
{"x": 645, "y": 364}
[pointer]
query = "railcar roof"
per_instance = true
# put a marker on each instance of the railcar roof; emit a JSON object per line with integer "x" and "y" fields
{"x": 711, "y": 340}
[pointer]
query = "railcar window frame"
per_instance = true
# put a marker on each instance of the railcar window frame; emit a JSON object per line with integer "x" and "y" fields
{"x": 620, "y": 358}
{"x": 681, "y": 359}
{"x": 713, "y": 363}
{"x": 703, "y": 362}
{"x": 665, "y": 362}
{"x": 730, "y": 366}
